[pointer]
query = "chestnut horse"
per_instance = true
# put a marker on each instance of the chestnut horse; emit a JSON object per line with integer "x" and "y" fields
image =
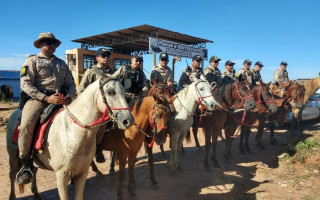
{"x": 151, "y": 115}
{"x": 292, "y": 97}
{"x": 235, "y": 95}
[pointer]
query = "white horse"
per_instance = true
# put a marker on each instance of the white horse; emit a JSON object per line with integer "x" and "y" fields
{"x": 185, "y": 104}
{"x": 71, "y": 142}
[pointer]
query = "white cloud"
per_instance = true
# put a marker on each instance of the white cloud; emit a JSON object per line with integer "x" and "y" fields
{"x": 13, "y": 61}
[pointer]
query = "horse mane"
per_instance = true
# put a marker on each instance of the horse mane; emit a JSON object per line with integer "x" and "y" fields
{"x": 138, "y": 102}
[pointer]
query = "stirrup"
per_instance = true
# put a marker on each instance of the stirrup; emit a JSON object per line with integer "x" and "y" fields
{"x": 22, "y": 170}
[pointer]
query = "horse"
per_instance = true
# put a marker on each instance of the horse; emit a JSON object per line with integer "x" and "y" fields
{"x": 185, "y": 103}
{"x": 291, "y": 98}
{"x": 235, "y": 95}
{"x": 70, "y": 145}
{"x": 150, "y": 114}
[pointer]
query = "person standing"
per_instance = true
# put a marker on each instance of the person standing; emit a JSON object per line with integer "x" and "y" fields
{"x": 281, "y": 74}
{"x": 91, "y": 75}
{"x": 43, "y": 78}
{"x": 212, "y": 72}
{"x": 228, "y": 76}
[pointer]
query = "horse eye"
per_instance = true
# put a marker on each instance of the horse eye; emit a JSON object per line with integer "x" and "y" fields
{"x": 201, "y": 89}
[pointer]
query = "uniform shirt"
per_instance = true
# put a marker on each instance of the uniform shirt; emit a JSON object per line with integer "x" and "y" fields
{"x": 256, "y": 76}
{"x": 213, "y": 74}
{"x": 159, "y": 74}
{"x": 228, "y": 77}
{"x": 91, "y": 75}
{"x": 40, "y": 73}
{"x": 246, "y": 73}
{"x": 186, "y": 80}
{"x": 281, "y": 75}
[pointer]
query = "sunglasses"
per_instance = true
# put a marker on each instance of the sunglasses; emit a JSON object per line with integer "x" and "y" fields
{"x": 216, "y": 61}
{"x": 164, "y": 59}
{"x": 49, "y": 42}
{"x": 105, "y": 56}
{"x": 139, "y": 61}
{"x": 249, "y": 64}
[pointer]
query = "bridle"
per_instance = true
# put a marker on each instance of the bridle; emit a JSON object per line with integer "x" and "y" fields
{"x": 263, "y": 95}
{"x": 107, "y": 114}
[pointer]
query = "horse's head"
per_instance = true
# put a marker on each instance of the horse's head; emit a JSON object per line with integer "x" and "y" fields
{"x": 263, "y": 96}
{"x": 203, "y": 92}
{"x": 159, "y": 116}
{"x": 295, "y": 95}
{"x": 114, "y": 103}
{"x": 241, "y": 92}
{"x": 161, "y": 91}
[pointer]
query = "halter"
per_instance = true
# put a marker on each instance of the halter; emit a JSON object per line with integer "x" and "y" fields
{"x": 107, "y": 114}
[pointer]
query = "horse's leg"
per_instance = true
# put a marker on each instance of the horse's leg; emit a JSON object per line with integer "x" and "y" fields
{"x": 34, "y": 188}
{"x": 299, "y": 121}
{"x": 122, "y": 165}
{"x": 207, "y": 134}
{"x": 273, "y": 140}
{"x": 150, "y": 162}
{"x": 246, "y": 141}
{"x": 242, "y": 134}
{"x": 112, "y": 171}
{"x": 174, "y": 152}
{"x": 79, "y": 183}
{"x": 95, "y": 168}
{"x": 14, "y": 162}
{"x": 293, "y": 121}
{"x": 195, "y": 135}
{"x": 131, "y": 181}
{"x": 215, "y": 135}
{"x": 62, "y": 184}
{"x": 258, "y": 138}
{"x": 163, "y": 154}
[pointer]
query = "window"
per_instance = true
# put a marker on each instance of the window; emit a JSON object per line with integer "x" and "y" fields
{"x": 119, "y": 62}
{"x": 88, "y": 61}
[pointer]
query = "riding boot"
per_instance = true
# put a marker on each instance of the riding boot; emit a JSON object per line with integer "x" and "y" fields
{"x": 25, "y": 175}
{"x": 99, "y": 155}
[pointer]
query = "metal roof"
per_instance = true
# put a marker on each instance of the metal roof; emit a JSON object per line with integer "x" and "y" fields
{"x": 137, "y": 39}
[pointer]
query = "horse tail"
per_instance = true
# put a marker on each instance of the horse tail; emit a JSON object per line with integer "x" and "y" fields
{"x": 21, "y": 188}
{"x": 188, "y": 137}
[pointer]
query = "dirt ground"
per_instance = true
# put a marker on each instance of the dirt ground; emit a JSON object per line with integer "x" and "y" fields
{"x": 261, "y": 174}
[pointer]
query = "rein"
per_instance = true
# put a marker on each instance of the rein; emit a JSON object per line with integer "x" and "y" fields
{"x": 107, "y": 114}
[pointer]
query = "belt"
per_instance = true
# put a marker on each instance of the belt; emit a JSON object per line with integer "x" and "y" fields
{"x": 46, "y": 92}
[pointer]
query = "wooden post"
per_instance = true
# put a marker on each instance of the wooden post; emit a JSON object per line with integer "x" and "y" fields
{"x": 154, "y": 59}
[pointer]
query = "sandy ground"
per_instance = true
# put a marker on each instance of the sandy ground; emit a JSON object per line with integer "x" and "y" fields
{"x": 256, "y": 175}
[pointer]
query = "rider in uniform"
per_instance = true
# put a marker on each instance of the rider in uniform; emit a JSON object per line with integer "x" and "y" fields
{"x": 281, "y": 74}
{"x": 228, "y": 76}
{"x": 162, "y": 72}
{"x": 43, "y": 78}
{"x": 91, "y": 75}
{"x": 133, "y": 78}
{"x": 245, "y": 71}
{"x": 257, "y": 80}
{"x": 212, "y": 72}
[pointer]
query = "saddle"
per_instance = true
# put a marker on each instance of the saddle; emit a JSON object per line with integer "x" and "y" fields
{"x": 42, "y": 128}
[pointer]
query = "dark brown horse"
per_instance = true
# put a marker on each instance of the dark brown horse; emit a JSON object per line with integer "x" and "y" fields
{"x": 291, "y": 98}
{"x": 236, "y": 96}
{"x": 151, "y": 115}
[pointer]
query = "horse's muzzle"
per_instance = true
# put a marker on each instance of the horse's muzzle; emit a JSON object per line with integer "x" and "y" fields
{"x": 124, "y": 119}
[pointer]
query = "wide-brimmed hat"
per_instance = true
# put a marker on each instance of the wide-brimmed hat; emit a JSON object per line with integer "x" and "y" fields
{"x": 46, "y": 36}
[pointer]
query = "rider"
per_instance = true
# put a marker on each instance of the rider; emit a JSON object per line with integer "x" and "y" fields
{"x": 245, "y": 71}
{"x": 42, "y": 75}
{"x": 228, "y": 74}
{"x": 187, "y": 77}
{"x": 133, "y": 78}
{"x": 162, "y": 72}
{"x": 212, "y": 72}
{"x": 281, "y": 74}
{"x": 91, "y": 75}
{"x": 257, "y": 80}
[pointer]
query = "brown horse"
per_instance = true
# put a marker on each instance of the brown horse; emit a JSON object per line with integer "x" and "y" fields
{"x": 149, "y": 114}
{"x": 291, "y": 99}
{"x": 236, "y": 95}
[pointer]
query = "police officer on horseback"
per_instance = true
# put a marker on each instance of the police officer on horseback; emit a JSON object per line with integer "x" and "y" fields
{"x": 42, "y": 75}
{"x": 257, "y": 80}
{"x": 133, "y": 78}
{"x": 245, "y": 71}
{"x": 162, "y": 72}
{"x": 228, "y": 76}
{"x": 212, "y": 72}
{"x": 281, "y": 74}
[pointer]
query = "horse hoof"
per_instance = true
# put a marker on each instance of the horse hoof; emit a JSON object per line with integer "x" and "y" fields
{"x": 98, "y": 173}
{"x": 111, "y": 173}
{"x": 154, "y": 182}
{"x": 12, "y": 197}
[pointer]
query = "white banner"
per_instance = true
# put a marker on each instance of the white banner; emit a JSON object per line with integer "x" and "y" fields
{"x": 157, "y": 45}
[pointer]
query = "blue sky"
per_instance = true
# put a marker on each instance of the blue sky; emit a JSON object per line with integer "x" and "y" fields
{"x": 269, "y": 31}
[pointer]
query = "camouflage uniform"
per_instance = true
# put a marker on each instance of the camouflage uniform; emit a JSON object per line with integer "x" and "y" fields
{"x": 213, "y": 74}
{"x": 186, "y": 80}
{"x": 281, "y": 75}
{"x": 40, "y": 77}
{"x": 246, "y": 73}
{"x": 228, "y": 77}
{"x": 159, "y": 74}
{"x": 91, "y": 75}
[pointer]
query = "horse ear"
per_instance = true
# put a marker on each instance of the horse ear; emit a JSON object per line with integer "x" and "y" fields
{"x": 268, "y": 84}
{"x": 202, "y": 77}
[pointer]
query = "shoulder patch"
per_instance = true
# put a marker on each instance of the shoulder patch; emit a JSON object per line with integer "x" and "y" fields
{"x": 24, "y": 71}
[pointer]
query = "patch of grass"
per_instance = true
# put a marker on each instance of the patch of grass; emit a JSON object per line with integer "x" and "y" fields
{"x": 306, "y": 145}
{"x": 305, "y": 149}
